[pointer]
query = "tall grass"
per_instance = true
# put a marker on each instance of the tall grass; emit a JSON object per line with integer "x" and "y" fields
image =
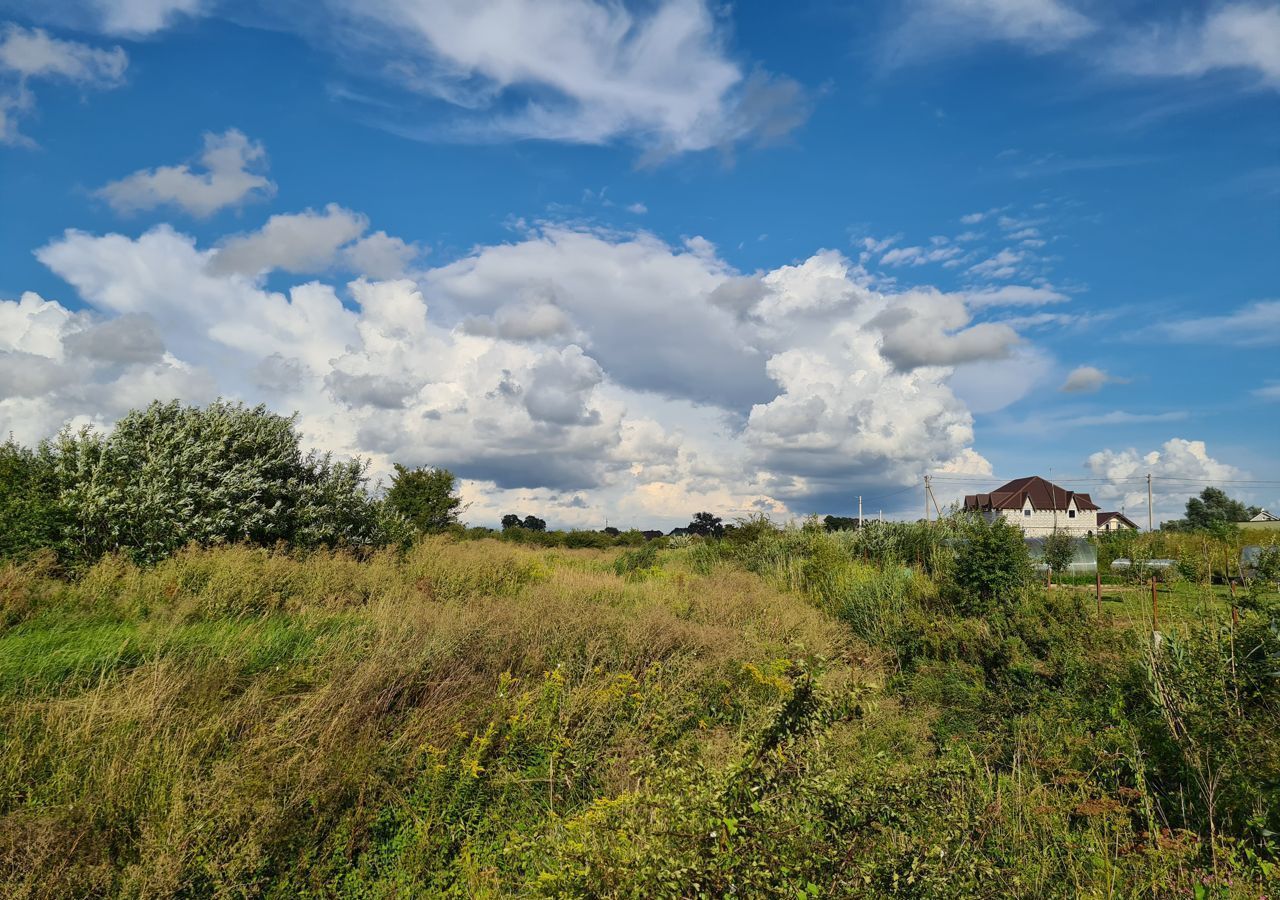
{"x": 782, "y": 716}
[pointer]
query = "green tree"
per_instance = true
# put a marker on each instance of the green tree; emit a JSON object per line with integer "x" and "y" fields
{"x": 509, "y": 521}
{"x": 1059, "y": 550}
{"x": 991, "y": 565}
{"x": 840, "y": 523}
{"x": 707, "y": 525}
{"x": 1214, "y": 511}
{"x": 425, "y": 496}
{"x": 31, "y": 515}
{"x": 533, "y": 523}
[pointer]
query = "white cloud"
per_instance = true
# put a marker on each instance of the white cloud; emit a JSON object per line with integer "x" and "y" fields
{"x": 598, "y": 71}
{"x": 1243, "y": 37}
{"x": 302, "y": 243}
{"x": 231, "y": 176}
{"x": 1180, "y": 469}
{"x": 1037, "y": 25}
{"x": 1269, "y": 392}
{"x": 570, "y": 371}
{"x": 1255, "y": 325}
{"x": 918, "y": 256}
{"x": 1014, "y": 295}
{"x": 1004, "y": 264}
{"x": 30, "y": 54}
{"x": 143, "y": 17}
{"x": 33, "y": 53}
{"x": 1233, "y": 36}
{"x": 381, "y": 256}
{"x": 928, "y": 329}
{"x": 1085, "y": 380}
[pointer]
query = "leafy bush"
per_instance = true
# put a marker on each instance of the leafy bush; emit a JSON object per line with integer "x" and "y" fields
{"x": 1059, "y": 551}
{"x": 992, "y": 566}
{"x": 171, "y": 475}
{"x": 425, "y": 497}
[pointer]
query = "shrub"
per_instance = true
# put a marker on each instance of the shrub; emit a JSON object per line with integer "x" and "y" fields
{"x": 991, "y": 566}
{"x": 171, "y": 475}
{"x": 425, "y": 497}
{"x": 1059, "y": 552}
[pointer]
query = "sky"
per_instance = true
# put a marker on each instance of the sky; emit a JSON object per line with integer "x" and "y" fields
{"x": 621, "y": 262}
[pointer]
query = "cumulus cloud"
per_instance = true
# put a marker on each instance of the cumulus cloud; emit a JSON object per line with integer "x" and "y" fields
{"x": 32, "y": 54}
{"x": 231, "y": 176}
{"x": 929, "y": 330}
{"x": 1085, "y": 380}
{"x": 571, "y": 369}
{"x": 130, "y": 338}
{"x": 302, "y": 243}
{"x": 382, "y": 256}
{"x": 1180, "y": 469}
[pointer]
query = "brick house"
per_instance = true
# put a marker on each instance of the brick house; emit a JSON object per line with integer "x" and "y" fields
{"x": 1038, "y": 507}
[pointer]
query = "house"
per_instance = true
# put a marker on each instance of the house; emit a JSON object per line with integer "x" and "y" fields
{"x": 1265, "y": 516}
{"x": 1039, "y": 507}
{"x": 1114, "y": 521}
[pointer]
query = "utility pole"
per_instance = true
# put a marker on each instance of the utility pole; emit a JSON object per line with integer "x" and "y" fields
{"x": 926, "y": 499}
{"x": 859, "y": 512}
{"x": 1150, "y": 526}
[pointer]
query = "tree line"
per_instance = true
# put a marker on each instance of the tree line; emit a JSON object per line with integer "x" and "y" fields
{"x": 172, "y": 474}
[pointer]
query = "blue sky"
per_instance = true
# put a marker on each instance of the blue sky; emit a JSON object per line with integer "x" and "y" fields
{"x": 635, "y": 260}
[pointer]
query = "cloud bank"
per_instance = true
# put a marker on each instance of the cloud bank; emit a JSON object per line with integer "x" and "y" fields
{"x": 575, "y": 370}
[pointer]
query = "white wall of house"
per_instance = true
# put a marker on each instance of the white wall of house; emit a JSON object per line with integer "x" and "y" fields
{"x": 1043, "y": 522}
{"x": 1113, "y": 525}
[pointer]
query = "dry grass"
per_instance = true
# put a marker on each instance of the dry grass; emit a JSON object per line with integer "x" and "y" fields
{"x": 193, "y": 727}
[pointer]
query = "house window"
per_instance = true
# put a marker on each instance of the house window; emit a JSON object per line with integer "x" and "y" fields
{"x": 1027, "y": 513}
{"x": 1071, "y": 514}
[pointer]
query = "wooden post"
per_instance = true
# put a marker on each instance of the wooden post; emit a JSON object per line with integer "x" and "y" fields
{"x": 1155, "y": 606}
{"x": 1097, "y": 586}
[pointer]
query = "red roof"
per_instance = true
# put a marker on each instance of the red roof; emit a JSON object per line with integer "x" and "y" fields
{"x": 1105, "y": 517}
{"x": 1044, "y": 495}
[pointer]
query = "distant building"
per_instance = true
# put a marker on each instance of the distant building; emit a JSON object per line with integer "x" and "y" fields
{"x": 1115, "y": 521}
{"x": 1038, "y": 507}
{"x": 1265, "y": 516}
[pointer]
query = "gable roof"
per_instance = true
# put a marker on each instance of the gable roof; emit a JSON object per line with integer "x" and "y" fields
{"x": 1105, "y": 517}
{"x": 1044, "y": 495}
{"x": 1265, "y": 516}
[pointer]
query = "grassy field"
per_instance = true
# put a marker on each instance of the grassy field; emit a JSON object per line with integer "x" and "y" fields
{"x": 482, "y": 719}
{"x": 1177, "y": 605}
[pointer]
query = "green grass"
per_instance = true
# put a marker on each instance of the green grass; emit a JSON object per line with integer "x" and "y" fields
{"x": 780, "y": 717}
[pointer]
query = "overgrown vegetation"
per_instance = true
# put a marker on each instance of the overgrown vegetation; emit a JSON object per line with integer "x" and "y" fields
{"x": 778, "y": 713}
{"x": 229, "y": 668}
